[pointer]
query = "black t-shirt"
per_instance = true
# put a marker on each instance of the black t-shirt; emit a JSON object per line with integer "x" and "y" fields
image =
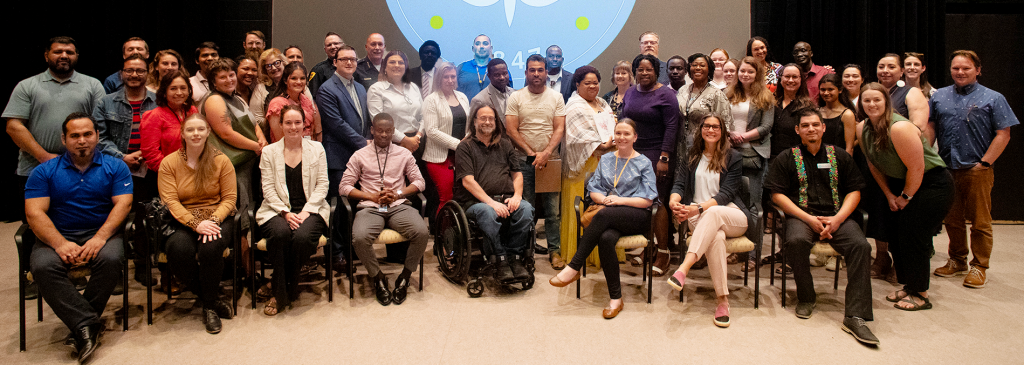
{"x": 491, "y": 166}
{"x": 296, "y": 193}
{"x": 784, "y": 134}
{"x": 458, "y": 122}
{"x": 782, "y": 179}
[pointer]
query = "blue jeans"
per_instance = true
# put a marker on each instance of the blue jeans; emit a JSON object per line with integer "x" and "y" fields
{"x": 550, "y": 202}
{"x": 517, "y": 226}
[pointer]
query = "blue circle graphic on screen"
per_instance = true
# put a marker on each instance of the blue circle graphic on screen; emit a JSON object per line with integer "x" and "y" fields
{"x": 517, "y": 28}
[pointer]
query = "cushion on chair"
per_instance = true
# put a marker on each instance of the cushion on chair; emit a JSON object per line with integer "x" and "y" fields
{"x": 389, "y": 236}
{"x": 823, "y": 249}
{"x": 734, "y": 245}
{"x": 74, "y": 273}
{"x": 631, "y": 242}
{"x": 262, "y": 244}
{"x": 162, "y": 257}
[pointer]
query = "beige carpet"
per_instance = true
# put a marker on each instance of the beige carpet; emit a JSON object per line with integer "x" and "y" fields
{"x": 442, "y": 325}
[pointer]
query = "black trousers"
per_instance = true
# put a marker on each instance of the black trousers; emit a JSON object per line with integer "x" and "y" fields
{"x": 849, "y": 241}
{"x": 74, "y": 309}
{"x": 911, "y": 230}
{"x": 603, "y": 232}
{"x": 287, "y": 250}
{"x": 199, "y": 265}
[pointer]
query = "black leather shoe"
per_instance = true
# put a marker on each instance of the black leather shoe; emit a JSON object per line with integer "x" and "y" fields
{"x": 212, "y": 321}
{"x": 382, "y": 291}
{"x": 31, "y": 291}
{"x": 87, "y": 340}
{"x": 539, "y": 250}
{"x": 804, "y": 310}
{"x": 504, "y": 272}
{"x": 401, "y": 290}
{"x": 518, "y": 269}
{"x": 856, "y": 327}
{"x": 339, "y": 265}
{"x": 222, "y": 309}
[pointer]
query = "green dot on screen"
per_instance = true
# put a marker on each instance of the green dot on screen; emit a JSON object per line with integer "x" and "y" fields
{"x": 436, "y": 22}
{"x": 582, "y": 23}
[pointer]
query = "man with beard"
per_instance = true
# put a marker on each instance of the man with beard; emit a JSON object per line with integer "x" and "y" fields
{"x": 39, "y": 104}
{"x": 323, "y": 71}
{"x": 118, "y": 117}
{"x": 535, "y": 120}
{"x": 75, "y": 204}
{"x": 495, "y": 95}
{"x": 369, "y": 67}
{"x": 206, "y": 53}
{"x": 133, "y": 45}
{"x": 474, "y": 75}
{"x": 423, "y": 76}
{"x": 558, "y": 79}
{"x": 255, "y": 42}
{"x": 802, "y": 55}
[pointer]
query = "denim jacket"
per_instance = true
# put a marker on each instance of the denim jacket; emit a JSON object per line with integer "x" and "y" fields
{"x": 113, "y": 117}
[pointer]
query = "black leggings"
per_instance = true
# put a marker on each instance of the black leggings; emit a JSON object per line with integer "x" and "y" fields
{"x": 200, "y": 265}
{"x": 603, "y": 232}
{"x": 910, "y": 230}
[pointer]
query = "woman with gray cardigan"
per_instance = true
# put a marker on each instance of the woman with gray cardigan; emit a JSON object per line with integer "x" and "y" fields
{"x": 445, "y": 114}
{"x": 294, "y": 213}
{"x": 753, "y": 113}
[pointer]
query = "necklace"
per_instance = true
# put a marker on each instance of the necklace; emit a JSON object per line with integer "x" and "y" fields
{"x": 694, "y": 98}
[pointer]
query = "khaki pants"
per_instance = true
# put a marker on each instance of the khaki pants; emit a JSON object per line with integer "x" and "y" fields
{"x": 972, "y": 201}
{"x": 717, "y": 224}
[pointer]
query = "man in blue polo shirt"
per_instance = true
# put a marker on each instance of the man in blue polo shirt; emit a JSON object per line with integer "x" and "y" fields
{"x": 972, "y": 124}
{"x": 75, "y": 204}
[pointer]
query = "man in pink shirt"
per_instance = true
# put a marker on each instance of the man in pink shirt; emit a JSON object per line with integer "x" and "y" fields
{"x": 802, "y": 56}
{"x": 381, "y": 170}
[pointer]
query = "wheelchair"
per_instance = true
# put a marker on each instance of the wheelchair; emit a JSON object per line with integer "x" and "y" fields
{"x": 458, "y": 245}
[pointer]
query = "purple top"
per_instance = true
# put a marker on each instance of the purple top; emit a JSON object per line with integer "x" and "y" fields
{"x": 656, "y": 114}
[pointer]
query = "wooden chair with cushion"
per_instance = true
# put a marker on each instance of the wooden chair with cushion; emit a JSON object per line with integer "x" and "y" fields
{"x": 386, "y": 237}
{"x": 736, "y": 244}
{"x": 645, "y": 241}
{"x": 24, "y": 238}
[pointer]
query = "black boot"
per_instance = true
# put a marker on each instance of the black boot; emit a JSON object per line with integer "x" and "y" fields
{"x": 504, "y": 271}
{"x": 518, "y": 269}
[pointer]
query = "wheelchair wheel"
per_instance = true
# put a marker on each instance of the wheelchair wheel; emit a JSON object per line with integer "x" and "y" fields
{"x": 475, "y": 288}
{"x": 451, "y": 243}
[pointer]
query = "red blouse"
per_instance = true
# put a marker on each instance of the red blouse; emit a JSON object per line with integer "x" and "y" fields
{"x": 161, "y": 135}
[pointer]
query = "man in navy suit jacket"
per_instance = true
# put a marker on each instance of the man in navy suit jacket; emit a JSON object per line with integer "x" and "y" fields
{"x": 345, "y": 120}
{"x": 558, "y": 79}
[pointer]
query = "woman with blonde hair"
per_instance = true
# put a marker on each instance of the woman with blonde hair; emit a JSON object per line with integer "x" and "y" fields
{"x": 622, "y": 78}
{"x": 445, "y": 121}
{"x": 271, "y": 72}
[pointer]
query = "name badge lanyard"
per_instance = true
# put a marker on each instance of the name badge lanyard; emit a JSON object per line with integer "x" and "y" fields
{"x": 615, "y": 182}
{"x": 387, "y": 155}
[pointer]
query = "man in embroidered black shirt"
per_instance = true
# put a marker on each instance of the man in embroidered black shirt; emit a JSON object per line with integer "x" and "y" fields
{"x": 818, "y": 187}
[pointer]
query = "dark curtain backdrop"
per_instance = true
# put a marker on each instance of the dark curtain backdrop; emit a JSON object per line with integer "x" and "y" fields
{"x": 854, "y": 31}
{"x": 99, "y": 28}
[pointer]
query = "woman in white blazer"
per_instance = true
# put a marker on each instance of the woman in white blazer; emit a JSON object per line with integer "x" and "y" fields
{"x": 294, "y": 212}
{"x": 445, "y": 113}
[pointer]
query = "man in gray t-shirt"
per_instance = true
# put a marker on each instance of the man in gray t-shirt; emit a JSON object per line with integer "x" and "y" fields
{"x": 39, "y": 105}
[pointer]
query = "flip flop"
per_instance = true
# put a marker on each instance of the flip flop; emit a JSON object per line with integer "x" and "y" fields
{"x": 914, "y": 306}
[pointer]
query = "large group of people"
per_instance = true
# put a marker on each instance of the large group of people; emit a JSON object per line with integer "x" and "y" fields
{"x": 261, "y": 134}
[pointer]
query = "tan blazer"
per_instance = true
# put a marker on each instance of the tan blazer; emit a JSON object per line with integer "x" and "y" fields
{"x": 275, "y": 186}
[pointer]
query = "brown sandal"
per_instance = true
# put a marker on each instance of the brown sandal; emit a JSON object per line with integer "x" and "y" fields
{"x": 271, "y": 308}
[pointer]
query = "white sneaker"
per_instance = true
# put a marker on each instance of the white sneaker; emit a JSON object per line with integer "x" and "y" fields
{"x": 831, "y": 264}
{"x": 817, "y": 261}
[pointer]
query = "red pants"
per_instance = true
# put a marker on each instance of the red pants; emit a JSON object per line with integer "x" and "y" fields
{"x": 443, "y": 175}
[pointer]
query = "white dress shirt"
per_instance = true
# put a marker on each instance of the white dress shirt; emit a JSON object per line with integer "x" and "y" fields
{"x": 403, "y": 103}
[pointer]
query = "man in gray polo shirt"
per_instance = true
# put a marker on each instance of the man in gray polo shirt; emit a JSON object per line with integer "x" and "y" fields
{"x": 40, "y": 103}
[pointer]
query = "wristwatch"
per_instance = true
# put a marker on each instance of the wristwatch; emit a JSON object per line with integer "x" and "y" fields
{"x": 985, "y": 164}
{"x": 663, "y": 159}
{"x": 905, "y": 196}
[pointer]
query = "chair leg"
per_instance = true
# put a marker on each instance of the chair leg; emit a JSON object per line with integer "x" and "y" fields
{"x": 252, "y": 278}
{"x": 835, "y": 284}
{"x": 757, "y": 283}
{"x": 583, "y": 273}
{"x": 124, "y": 296}
{"x": 421, "y": 273}
{"x": 39, "y": 307}
{"x": 351, "y": 273}
{"x": 650, "y": 274}
{"x": 783, "y": 299}
{"x": 149, "y": 291}
{"x": 21, "y": 307}
{"x": 771, "y": 267}
{"x": 329, "y": 257}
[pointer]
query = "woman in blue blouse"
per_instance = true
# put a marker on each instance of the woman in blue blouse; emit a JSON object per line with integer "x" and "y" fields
{"x": 624, "y": 183}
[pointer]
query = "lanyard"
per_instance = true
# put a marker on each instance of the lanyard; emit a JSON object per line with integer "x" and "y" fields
{"x": 385, "y": 166}
{"x": 694, "y": 98}
{"x": 615, "y": 182}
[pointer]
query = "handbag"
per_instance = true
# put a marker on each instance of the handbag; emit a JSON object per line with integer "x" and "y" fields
{"x": 158, "y": 222}
{"x": 588, "y": 215}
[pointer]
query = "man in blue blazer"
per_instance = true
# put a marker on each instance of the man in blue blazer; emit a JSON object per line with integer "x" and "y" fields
{"x": 345, "y": 120}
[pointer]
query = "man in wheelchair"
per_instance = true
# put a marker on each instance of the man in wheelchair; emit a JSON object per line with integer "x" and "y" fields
{"x": 818, "y": 186}
{"x": 488, "y": 166}
{"x": 75, "y": 204}
{"x": 381, "y": 170}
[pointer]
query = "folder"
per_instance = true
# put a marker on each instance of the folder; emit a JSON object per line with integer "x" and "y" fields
{"x": 549, "y": 179}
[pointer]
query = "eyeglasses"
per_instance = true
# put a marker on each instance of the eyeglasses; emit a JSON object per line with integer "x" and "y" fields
{"x": 138, "y": 71}
{"x": 347, "y": 59}
{"x": 275, "y": 64}
{"x": 711, "y": 127}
